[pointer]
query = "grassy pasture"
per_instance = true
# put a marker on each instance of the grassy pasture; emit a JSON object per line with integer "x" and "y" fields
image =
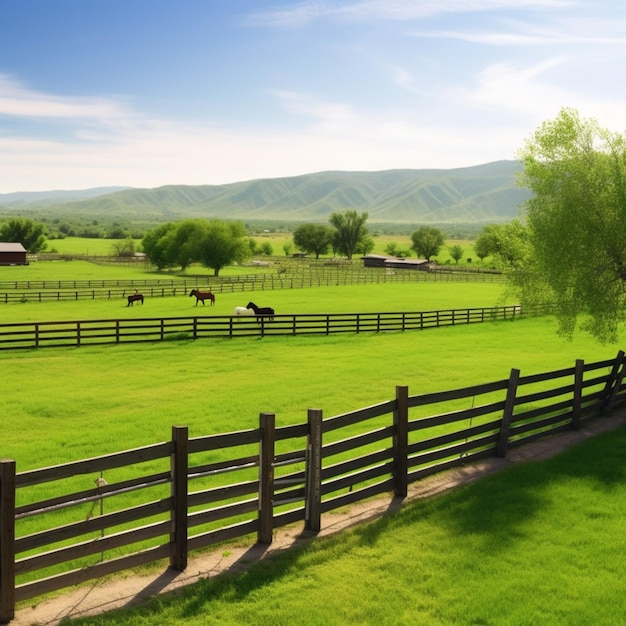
{"x": 343, "y": 299}
{"x": 70, "y": 404}
{"x": 94, "y": 400}
{"x": 367, "y": 298}
{"x": 381, "y": 241}
{"x": 84, "y": 245}
{"x": 63, "y": 405}
{"x": 104, "y": 247}
{"x": 540, "y": 543}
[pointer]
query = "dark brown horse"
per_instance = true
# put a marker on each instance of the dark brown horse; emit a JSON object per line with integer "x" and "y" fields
{"x": 201, "y": 296}
{"x": 135, "y": 297}
{"x": 261, "y": 311}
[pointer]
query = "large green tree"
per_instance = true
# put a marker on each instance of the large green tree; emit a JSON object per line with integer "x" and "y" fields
{"x": 188, "y": 238}
{"x": 158, "y": 245}
{"x": 25, "y": 231}
{"x": 427, "y": 241}
{"x": 214, "y": 243}
{"x": 223, "y": 243}
{"x": 456, "y": 252}
{"x": 313, "y": 238}
{"x": 576, "y": 220}
{"x": 350, "y": 232}
{"x": 506, "y": 243}
{"x": 486, "y": 243}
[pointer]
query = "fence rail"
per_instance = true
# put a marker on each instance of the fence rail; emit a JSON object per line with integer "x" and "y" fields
{"x": 170, "y": 498}
{"x": 63, "y": 290}
{"x": 106, "y": 331}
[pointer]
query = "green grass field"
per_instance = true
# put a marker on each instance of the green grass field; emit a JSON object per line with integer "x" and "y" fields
{"x": 344, "y": 299}
{"x": 88, "y": 400}
{"x": 502, "y": 552}
{"x": 540, "y": 543}
{"x": 70, "y": 404}
{"x": 104, "y": 247}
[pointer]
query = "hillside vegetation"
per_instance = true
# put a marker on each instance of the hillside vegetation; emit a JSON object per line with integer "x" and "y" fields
{"x": 482, "y": 193}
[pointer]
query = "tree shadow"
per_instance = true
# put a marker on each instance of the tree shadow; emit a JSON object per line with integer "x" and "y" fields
{"x": 493, "y": 510}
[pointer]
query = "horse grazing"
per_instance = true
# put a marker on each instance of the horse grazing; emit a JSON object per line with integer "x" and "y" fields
{"x": 241, "y": 311}
{"x": 135, "y": 297}
{"x": 262, "y": 311}
{"x": 201, "y": 296}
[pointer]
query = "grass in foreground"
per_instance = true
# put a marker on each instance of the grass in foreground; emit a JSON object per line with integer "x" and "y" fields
{"x": 541, "y": 543}
{"x": 60, "y": 405}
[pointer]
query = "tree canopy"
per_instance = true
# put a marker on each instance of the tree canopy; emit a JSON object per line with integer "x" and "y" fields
{"x": 25, "y": 231}
{"x": 313, "y": 238}
{"x": 427, "y": 241}
{"x": 350, "y": 235}
{"x": 223, "y": 243}
{"x": 506, "y": 243}
{"x": 214, "y": 243}
{"x": 576, "y": 216}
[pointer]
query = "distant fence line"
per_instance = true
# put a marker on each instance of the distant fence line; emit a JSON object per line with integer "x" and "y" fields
{"x": 131, "y": 330}
{"x": 14, "y": 291}
{"x": 168, "y": 499}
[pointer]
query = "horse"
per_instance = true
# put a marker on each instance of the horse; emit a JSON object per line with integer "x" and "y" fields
{"x": 201, "y": 296}
{"x": 263, "y": 311}
{"x": 241, "y": 311}
{"x": 135, "y": 297}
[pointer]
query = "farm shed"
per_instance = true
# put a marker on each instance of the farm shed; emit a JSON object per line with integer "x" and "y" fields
{"x": 12, "y": 254}
{"x": 380, "y": 260}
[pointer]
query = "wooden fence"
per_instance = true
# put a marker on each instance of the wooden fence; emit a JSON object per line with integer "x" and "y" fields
{"x": 66, "y": 524}
{"x": 106, "y": 331}
{"x": 63, "y": 290}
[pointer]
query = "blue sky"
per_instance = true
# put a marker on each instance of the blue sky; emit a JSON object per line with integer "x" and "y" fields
{"x": 147, "y": 93}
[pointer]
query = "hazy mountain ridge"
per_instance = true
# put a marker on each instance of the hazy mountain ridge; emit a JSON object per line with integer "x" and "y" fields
{"x": 481, "y": 193}
{"x": 38, "y": 198}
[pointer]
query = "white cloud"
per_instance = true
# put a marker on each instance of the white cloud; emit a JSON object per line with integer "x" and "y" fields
{"x": 562, "y": 31}
{"x": 19, "y": 101}
{"x": 333, "y": 136}
{"x": 392, "y": 10}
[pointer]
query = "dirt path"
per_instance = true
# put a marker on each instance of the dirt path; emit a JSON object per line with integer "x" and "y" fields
{"x": 105, "y": 596}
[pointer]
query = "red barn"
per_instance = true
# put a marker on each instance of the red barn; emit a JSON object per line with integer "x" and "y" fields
{"x": 12, "y": 254}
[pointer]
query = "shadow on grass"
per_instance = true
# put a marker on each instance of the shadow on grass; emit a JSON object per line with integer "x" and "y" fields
{"x": 493, "y": 508}
{"x": 499, "y": 505}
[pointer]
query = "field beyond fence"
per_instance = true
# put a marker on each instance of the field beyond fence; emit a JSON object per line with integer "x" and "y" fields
{"x": 167, "y": 499}
{"x": 299, "y": 278}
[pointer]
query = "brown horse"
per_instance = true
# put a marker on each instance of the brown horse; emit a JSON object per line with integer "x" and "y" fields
{"x": 135, "y": 297}
{"x": 201, "y": 296}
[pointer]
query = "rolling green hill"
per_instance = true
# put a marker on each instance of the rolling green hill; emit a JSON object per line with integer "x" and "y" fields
{"x": 482, "y": 193}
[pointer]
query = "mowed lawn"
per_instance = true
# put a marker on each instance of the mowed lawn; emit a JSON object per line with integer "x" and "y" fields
{"x": 541, "y": 543}
{"x": 68, "y": 404}
{"x": 415, "y": 296}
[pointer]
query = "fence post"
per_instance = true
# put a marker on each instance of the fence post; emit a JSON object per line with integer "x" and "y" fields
{"x": 179, "y": 465}
{"x": 7, "y": 540}
{"x": 578, "y": 394}
{"x": 266, "y": 477}
{"x": 313, "y": 505}
{"x": 613, "y": 383}
{"x": 507, "y": 415}
{"x": 401, "y": 441}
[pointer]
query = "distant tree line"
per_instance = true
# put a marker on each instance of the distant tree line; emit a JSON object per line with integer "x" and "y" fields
{"x": 25, "y": 231}
{"x": 346, "y": 235}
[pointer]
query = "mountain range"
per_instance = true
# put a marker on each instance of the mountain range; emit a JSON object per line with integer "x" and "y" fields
{"x": 478, "y": 194}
